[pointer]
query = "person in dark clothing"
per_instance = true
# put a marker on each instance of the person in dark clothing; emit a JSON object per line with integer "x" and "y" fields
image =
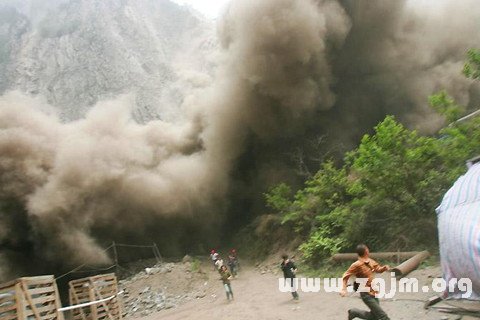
{"x": 233, "y": 265}
{"x": 364, "y": 268}
{"x": 289, "y": 269}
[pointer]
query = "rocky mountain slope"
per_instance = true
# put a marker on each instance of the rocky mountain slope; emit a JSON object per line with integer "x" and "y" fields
{"x": 76, "y": 52}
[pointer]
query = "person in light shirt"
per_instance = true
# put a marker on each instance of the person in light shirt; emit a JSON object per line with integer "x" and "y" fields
{"x": 214, "y": 257}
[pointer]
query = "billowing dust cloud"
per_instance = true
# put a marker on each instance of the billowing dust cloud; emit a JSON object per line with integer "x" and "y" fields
{"x": 289, "y": 70}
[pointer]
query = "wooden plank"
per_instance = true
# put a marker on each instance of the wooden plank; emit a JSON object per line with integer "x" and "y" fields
{"x": 107, "y": 293}
{"x": 10, "y": 299}
{"x": 41, "y": 310}
{"x": 42, "y": 290}
{"x": 105, "y": 288}
{"x": 79, "y": 291}
{"x": 79, "y": 286}
{"x": 6, "y": 291}
{"x": 12, "y": 316}
{"x": 117, "y": 302}
{"x": 19, "y": 302}
{"x": 82, "y": 297}
{"x": 6, "y": 285}
{"x": 8, "y": 314}
{"x": 103, "y": 304}
{"x": 78, "y": 281}
{"x": 93, "y": 308}
{"x": 80, "y": 311}
{"x": 58, "y": 303}
{"x": 47, "y": 308}
{"x": 98, "y": 287}
{"x": 29, "y": 299}
{"x": 103, "y": 313}
{"x": 6, "y": 308}
{"x": 44, "y": 299}
{"x": 50, "y": 316}
{"x": 34, "y": 281}
{"x": 104, "y": 276}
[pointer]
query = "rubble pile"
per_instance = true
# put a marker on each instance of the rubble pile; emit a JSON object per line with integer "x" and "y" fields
{"x": 271, "y": 268}
{"x": 149, "y": 301}
{"x": 141, "y": 302}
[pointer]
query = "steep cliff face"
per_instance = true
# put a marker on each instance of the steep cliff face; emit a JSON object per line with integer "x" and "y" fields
{"x": 74, "y": 53}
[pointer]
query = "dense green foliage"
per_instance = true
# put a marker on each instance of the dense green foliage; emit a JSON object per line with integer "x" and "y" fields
{"x": 386, "y": 191}
{"x": 472, "y": 66}
{"x": 385, "y": 194}
{"x": 446, "y": 106}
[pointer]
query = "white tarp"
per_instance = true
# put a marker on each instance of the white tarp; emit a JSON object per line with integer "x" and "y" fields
{"x": 459, "y": 231}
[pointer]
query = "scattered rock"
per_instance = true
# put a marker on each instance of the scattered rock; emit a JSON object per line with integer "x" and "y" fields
{"x": 150, "y": 300}
{"x": 186, "y": 259}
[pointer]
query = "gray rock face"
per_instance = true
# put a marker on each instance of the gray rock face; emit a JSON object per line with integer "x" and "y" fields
{"x": 77, "y": 52}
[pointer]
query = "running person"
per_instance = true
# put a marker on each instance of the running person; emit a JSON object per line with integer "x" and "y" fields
{"x": 226, "y": 276}
{"x": 289, "y": 269}
{"x": 364, "y": 268}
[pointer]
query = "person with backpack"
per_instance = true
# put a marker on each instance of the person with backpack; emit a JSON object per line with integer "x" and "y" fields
{"x": 289, "y": 270}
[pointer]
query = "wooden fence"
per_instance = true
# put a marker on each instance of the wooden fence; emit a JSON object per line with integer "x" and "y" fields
{"x": 30, "y": 298}
{"x": 91, "y": 289}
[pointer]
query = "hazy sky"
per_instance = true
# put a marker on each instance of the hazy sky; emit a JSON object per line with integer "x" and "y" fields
{"x": 210, "y": 8}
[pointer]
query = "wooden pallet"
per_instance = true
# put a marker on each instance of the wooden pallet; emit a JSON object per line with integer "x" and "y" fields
{"x": 93, "y": 289}
{"x": 30, "y": 298}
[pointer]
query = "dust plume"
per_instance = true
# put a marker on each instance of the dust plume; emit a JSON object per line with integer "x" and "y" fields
{"x": 288, "y": 71}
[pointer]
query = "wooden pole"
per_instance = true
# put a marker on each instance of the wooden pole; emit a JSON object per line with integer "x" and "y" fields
{"x": 36, "y": 314}
{"x": 91, "y": 296}
{"x": 411, "y": 264}
{"x": 159, "y": 256}
{"x": 393, "y": 256}
{"x": 115, "y": 256}
{"x": 19, "y": 301}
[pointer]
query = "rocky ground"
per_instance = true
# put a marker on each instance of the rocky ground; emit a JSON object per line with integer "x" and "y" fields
{"x": 163, "y": 286}
{"x": 192, "y": 290}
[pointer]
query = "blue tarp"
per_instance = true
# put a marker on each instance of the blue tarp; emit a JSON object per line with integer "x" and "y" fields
{"x": 459, "y": 231}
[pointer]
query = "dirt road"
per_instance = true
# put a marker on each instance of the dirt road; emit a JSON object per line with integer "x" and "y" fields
{"x": 257, "y": 297}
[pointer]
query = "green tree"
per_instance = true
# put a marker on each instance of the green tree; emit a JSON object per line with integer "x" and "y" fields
{"x": 386, "y": 192}
{"x": 446, "y": 106}
{"x": 396, "y": 186}
{"x": 471, "y": 69}
{"x": 279, "y": 197}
